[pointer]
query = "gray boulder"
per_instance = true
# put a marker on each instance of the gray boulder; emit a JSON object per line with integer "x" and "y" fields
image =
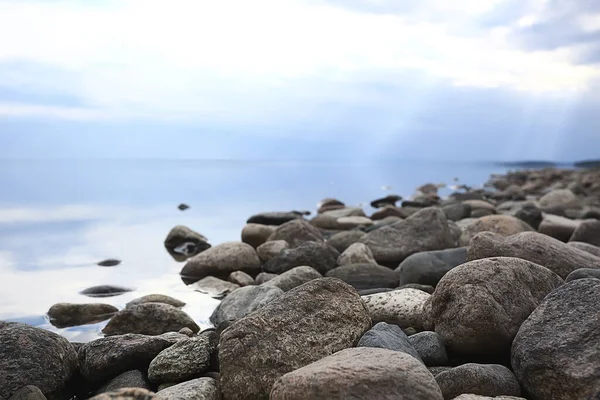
{"x": 342, "y": 240}
{"x": 478, "y": 307}
{"x": 530, "y": 214}
{"x": 320, "y": 256}
{"x": 504, "y": 225}
{"x": 264, "y": 277}
{"x": 430, "y": 347}
{"x": 558, "y": 201}
{"x": 130, "y": 379}
{"x": 390, "y": 337}
{"x": 297, "y": 232}
{"x": 149, "y": 319}
{"x": 366, "y": 276}
{"x": 256, "y": 234}
{"x": 33, "y": 356}
{"x": 402, "y": 307}
{"x": 63, "y": 315}
{"x": 273, "y": 218}
{"x": 187, "y": 359}
{"x": 182, "y": 243}
{"x": 345, "y": 212}
{"x": 196, "y": 389}
{"x": 359, "y": 373}
{"x": 425, "y": 230}
{"x": 583, "y": 273}
{"x": 271, "y": 249}
{"x": 105, "y": 291}
{"x": 558, "y": 257}
{"x": 588, "y": 232}
{"x": 427, "y": 268}
{"x": 288, "y": 334}
{"x": 222, "y": 260}
{"x": 293, "y": 278}
{"x": 457, "y": 211}
{"x": 594, "y": 250}
{"x": 480, "y": 379}
{"x": 556, "y": 354}
{"x": 356, "y": 253}
{"x": 156, "y": 298}
{"x": 215, "y": 287}
{"x": 241, "y": 278}
{"x": 28, "y": 392}
{"x": 243, "y": 301}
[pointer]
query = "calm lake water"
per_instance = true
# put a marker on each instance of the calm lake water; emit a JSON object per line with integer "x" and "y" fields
{"x": 59, "y": 218}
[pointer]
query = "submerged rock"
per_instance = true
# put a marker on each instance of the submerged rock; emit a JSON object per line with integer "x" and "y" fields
{"x": 111, "y": 262}
{"x": 105, "y": 291}
{"x": 63, "y": 315}
{"x": 215, "y": 287}
{"x": 149, "y": 319}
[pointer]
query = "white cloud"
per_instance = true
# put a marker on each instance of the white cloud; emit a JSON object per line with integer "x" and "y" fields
{"x": 203, "y": 59}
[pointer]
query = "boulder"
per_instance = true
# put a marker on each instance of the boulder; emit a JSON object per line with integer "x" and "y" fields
{"x": 63, "y": 315}
{"x": 435, "y": 371}
{"x": 320, "y": 256}
{"x": 530, "y": 214}
{"x": 345, "y": 212}
{"x": 28, "y": 392}
{"x": 130, "y": 379}
{"x": 297, "y": 232}
{"x": 430, "y": 347}
{"x": 34, "y": 356}
{"x": 187, "y": 359}
{"x": 156, "y": 298}
{"x": 293, "y": 278}
{"x": 127, "y": 394}
{"x": 346, "y": 223}
{"x": 583, "y": 273}
{"x": 215, "y": 287}
{"x": 105, "y": 291}
{"x": 182, "y": 243}
{"x": 512, "y": 192}
{"x": 480, "y": 379}
{"x": 479, "y": 205}
{"x": 256, "y": 234}
{"x": 304, "y": 325}
{"x": 357, "y": 253}
{"x": 588, "y": 232}
{"x": 558, "y": 227}
{"x": 389, "y": 211}
{"x": 222, "y": 260}
{"x": 390, "y": 337}
{"x": 457, "y": 211}
{"x": 558, "y": 257}
{"x": 271, "y": 249}
{"x": 273, "y": 218}
{"x": 559, "y": 200}
{"x": 196, "y": 389}
{"x": 504, "y": 225}
{"x": 389, "y": 200}
{"x": 323, "y": 221}
{"x": 104, "y": 358}
{"x": 478, "y": 307}
{"x": 556, "y": 355}
{"x": 594, "y": 250}
{"x": 422, "y": 231}
{"x": 264, "y": 277}
{"x": 342, "y": 240}
{"x": 241, "y": 278}
{"x": 427, "y": 268}
{"x": 243, "y": 301}
{"x": 365, "y": 276}
{"x": 149, "y": 319}
{"x": 328, "y": 201}
{"x": 359, "y": 373}
{"x": 402, "y": 307}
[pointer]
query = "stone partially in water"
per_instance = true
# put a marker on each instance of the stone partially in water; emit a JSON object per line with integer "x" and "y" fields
{"x": 63, "y": 315}
{"x": 149, "y": 319}
{"x": 215, "y": 287}
{"x": 182, "y": 243}
{"x": 111, "y": 262}
{"x": 105, "y": 291}
{"x": 156, "y": 298}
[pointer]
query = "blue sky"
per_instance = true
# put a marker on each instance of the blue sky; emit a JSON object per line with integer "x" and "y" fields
{"x": 300, "y": 79}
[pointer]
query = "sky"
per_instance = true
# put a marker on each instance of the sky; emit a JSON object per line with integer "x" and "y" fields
{"x": 300, "y": 79}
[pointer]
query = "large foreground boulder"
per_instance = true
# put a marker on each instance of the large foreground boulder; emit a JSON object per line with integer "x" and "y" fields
{"x": 478, "y": 307}
{"x": 427, "y": 268}
{"x": 425, "y": 230}
{"x": 320, "y": 256}
{"x": 149, "y": 319}
{"x": 553, "y": 254}
{"x": 33, "y": 356}
{"x": 556, "y": 354}
{"x": 359, "y": 373}
{"x": 304, "y": 325}
{"x": 222, "y": 260}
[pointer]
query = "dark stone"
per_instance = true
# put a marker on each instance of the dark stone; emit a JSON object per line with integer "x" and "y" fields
{"x": 288, "y": 334}
{"x": 182, "y": 243}
{"x": 105, "y": 291}
{"x": 530, "y": 214}
{"x": 293, "y": 278}
{"x": 359, "y": 373}
{"x": 34, "y": 356}
{"x": 149, "y": 319}
{"x": 243, "y": 301}
{"x": 104, "y": 358}
{"x": 256, "y": 235}
{"x": 430, "y": 347}
{"x": 183, "y": 207}
{"x": 221, "y": 260}
{"x": 273, "y": 218}
{"x": 478, "y": 307}
{"x": 389, "y": 211}
{"x": 297, "y": 232}
{"x": 130, "y": 379}
{"x": 63, "y": 315}
{"x": 583, "y": 273}
{"x": 111, "y": 262}
{"x": 365, "y": 276}
{"x": 389, "y": 200}
{"x": 342, "y": 240}
{"x": 320, "y": 256}
{"x": 196, "y": 389}
{"x": 391, "y": 337}
{"x": 427, "y": 268}
{"x": 480, "y": 379}
{"x": 588, "y": 232}
{"x": 556, "y": 355}
{"x": 156, "y": 298}
{"x": 457, "y": 211}
{"x": 29, "y": 392}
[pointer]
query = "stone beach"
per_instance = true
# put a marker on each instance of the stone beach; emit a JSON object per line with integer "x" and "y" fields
{"x": 489, "y": 293}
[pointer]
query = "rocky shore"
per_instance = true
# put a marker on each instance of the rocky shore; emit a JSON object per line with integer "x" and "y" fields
{"x": 488, "y": 293}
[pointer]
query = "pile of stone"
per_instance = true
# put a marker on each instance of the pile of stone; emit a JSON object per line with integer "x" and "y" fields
{"x": 490, "y": 293}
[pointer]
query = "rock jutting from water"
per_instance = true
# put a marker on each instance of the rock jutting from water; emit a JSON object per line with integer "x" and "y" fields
{"x": 487, "y": 293}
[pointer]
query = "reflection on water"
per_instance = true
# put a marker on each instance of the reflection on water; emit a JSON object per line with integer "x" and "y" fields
{"x": 58, "y": 219}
